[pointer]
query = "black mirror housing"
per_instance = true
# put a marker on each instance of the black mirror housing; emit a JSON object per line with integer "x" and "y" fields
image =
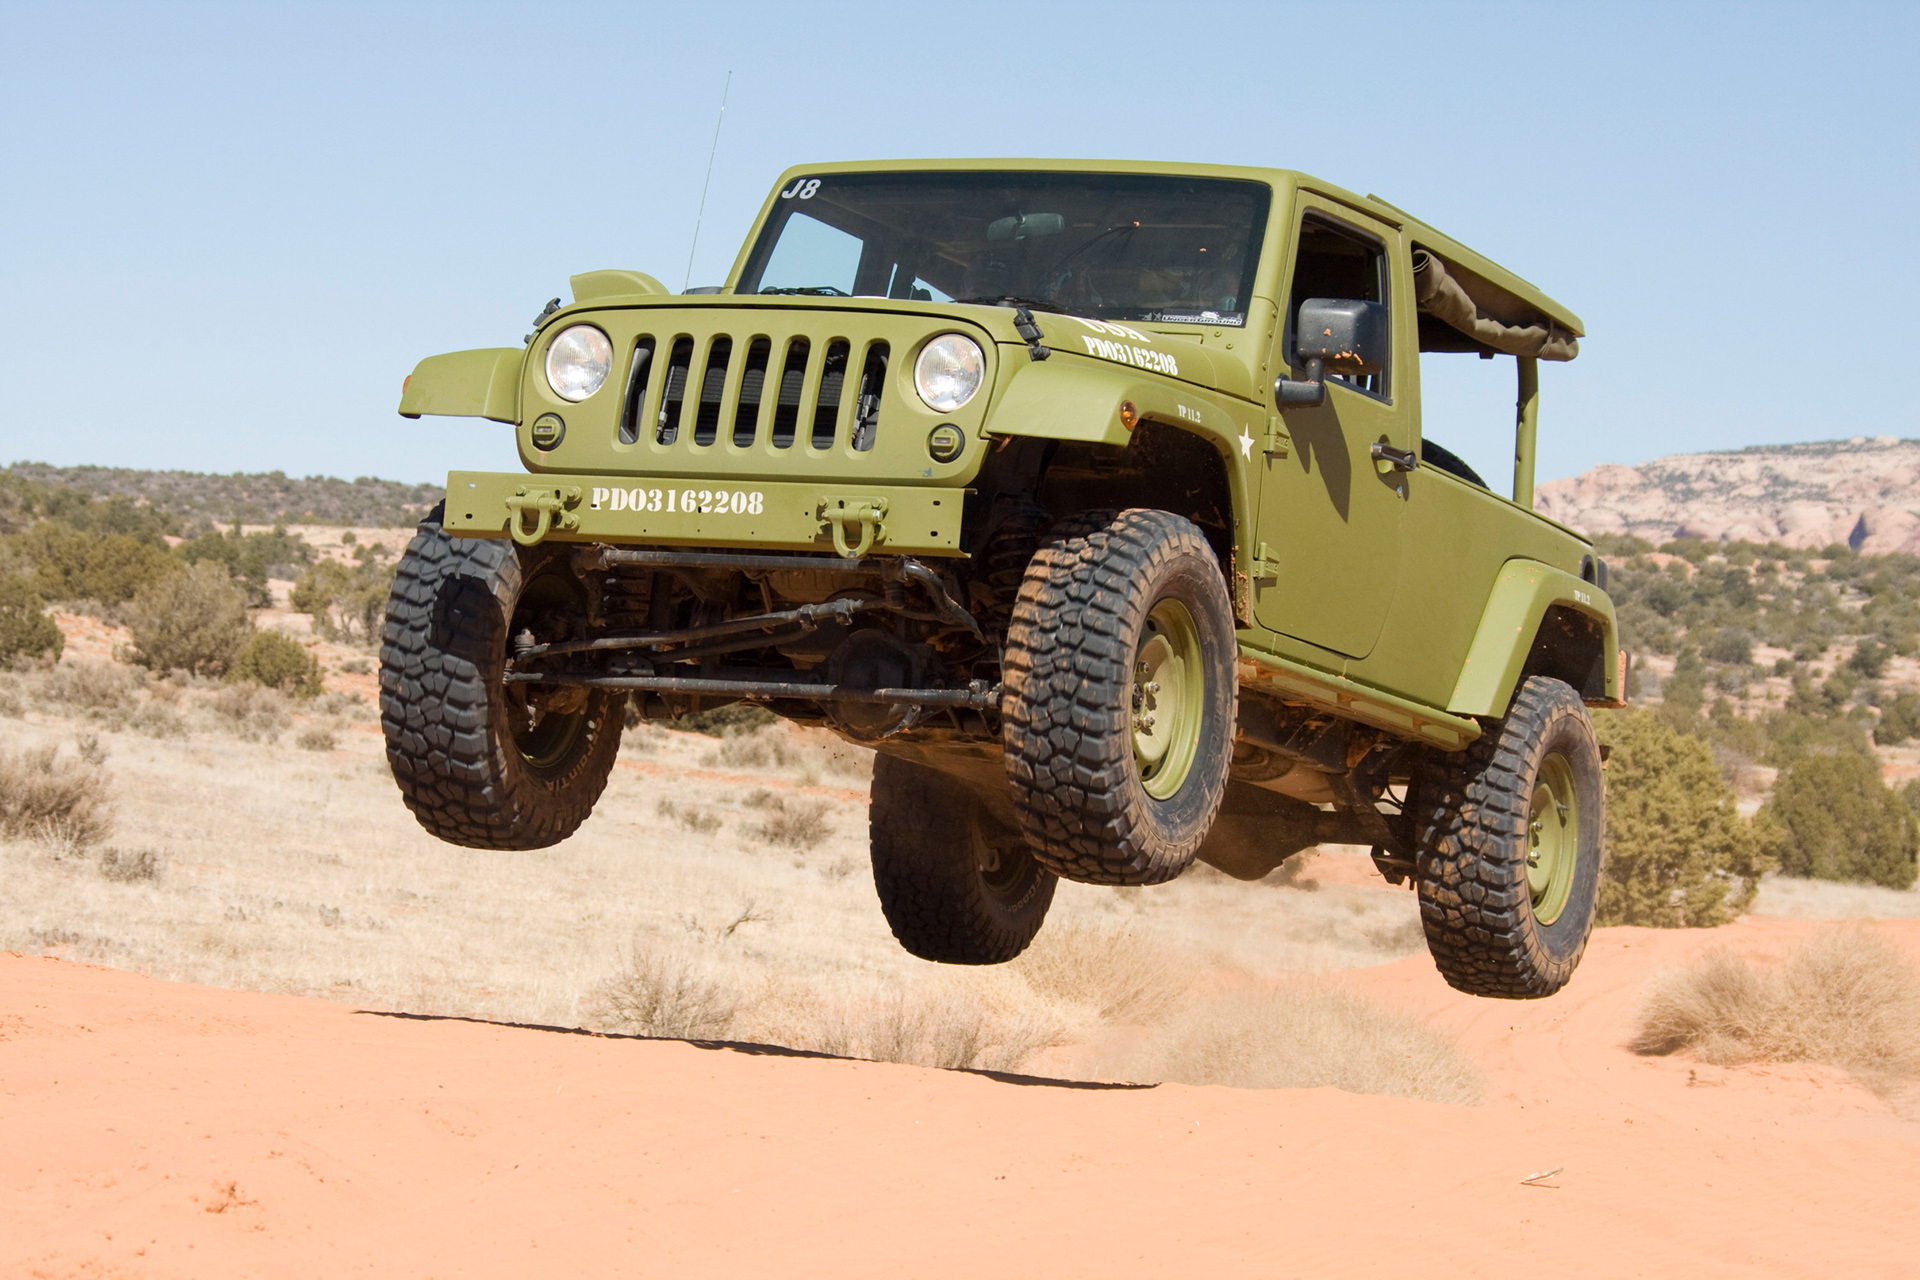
{"x": 1333, "y": 335}
{"x": 1346, "y": 333}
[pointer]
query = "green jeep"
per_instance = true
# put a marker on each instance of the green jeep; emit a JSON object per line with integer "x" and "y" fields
{"x": 1092, "y": 496}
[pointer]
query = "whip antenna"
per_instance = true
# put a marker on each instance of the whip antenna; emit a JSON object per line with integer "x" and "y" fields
{"x": 709, "y": 182}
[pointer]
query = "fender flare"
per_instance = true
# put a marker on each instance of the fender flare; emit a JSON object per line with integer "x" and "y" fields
{"x": 1509, "y": 625}
{"x": 466, "y": 384}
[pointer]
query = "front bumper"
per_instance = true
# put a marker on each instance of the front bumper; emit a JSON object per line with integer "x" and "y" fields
{"x": 788, "y": 515}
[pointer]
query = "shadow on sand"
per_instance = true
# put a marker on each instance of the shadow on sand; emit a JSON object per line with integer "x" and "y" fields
{"x": 747, "y": 1047}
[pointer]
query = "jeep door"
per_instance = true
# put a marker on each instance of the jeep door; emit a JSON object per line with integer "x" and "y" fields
{"x": 1330, "y": 516}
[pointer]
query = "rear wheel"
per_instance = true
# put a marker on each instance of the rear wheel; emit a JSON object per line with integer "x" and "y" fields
{"x": 480, "y": 762}
{"x": 1509, "y": 851}
{"x": 954, "y": 885}
{"x": 1118, "y": 719}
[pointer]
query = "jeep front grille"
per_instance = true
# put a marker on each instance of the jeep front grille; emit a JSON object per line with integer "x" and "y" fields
{"x": 709, "y": 384}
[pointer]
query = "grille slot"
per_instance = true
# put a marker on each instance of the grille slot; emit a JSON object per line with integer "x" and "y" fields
{"x": 636, "y": 391}
{"x": 786, "y": 408}
{"x": 713, "y": 386}
{"x": 753, "y": 381}
{"x": 826, "y": 402}
{"x": 673, "y": 395}
{"x": 866, "y": 405}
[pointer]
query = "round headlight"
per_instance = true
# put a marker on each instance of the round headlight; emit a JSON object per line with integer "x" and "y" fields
{"x": 949, "y": 371}
{"x": 578, "y": 362}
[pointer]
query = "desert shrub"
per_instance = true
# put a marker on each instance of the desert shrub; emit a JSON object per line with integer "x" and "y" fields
{"x": 797, "y": 823}
{"x": 251, "y": 712}
{"x": 729, "y": 721}
{"x": 1123, "y": 975}
{"x": 194, "y": 621}
{"x": 99, "y": 690}
{"x": 1678, "y": 852}
{"x": 947, "y": 1025}
{"x": 276, "y": 660}
{"x": 346, "y": 603}
{"x": 71, "y": 564}
{"x": 659, "y": 993}
{"x": 25, "y": 629}
{"x": 157, "y": 720}
{"x": 350, "y": 705}
{"x": 128, "y": 865}
{"x": 1899, "y": 719}
{"x": 13, "y": 702}
{"x": 1300, "y": 1038}
{"x": 691, "y": 817}
{"x": 63, "y": 802}
{"x": 250, "y": 558}
{"x": 1729, "y": 644}
{"x": 1845, "y": 997}
{"x": 1839, "y": 821}
{"x": 92, "y": 750}
{"x": 316, "y": 737}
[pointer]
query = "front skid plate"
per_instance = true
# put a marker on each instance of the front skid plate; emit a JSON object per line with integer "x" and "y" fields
{"x": 654, "y": 511}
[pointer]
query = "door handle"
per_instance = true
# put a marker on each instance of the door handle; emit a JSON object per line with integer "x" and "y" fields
{"x": 1387, "y": 458}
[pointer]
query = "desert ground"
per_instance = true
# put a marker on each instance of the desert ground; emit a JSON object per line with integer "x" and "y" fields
{"x": 267, "y": 1026}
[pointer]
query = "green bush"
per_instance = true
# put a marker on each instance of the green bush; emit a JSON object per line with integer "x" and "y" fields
{"x": 346, "y": 604}
{"x": 194, "y": 621}
{"x": 68, "y": 564}
{"x": 1839, "y": 821}
{"x": 1678, "y": 854}
{"x": 251, "y": 558}
{"x": 25, "y": 629}
{"x": 276, "y": 660}
{"x": 1899, "y": 720}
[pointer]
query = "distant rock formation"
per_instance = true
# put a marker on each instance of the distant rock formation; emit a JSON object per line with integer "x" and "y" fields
{"x": 1862, "y": 492}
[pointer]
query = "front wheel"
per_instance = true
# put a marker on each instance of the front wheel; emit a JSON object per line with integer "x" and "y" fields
{"x": 480, "y": 762}
{"x": 1118, "y": 719}
{"x": 1509, "y": 844}
{"x": 955, "y": 887}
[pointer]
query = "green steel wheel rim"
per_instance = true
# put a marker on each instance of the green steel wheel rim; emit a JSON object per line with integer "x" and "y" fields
{"x": 1169, "y": 698}
{"x": 1553, "y": 838}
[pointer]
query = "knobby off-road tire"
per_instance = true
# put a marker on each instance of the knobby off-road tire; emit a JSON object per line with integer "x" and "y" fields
{"x": 475, "y": 766}
{"x": 1509, "y": 845}
{"x": 952, "y": 887}
{"x": 1119, "y": 713}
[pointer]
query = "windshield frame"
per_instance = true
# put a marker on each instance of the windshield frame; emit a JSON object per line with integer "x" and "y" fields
{"x": 1262, "y": 197}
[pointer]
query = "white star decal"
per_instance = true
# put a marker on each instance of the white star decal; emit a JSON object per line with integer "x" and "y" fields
{"x": 1246, "y": 444}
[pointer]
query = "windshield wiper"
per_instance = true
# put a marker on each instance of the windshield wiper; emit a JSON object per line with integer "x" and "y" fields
{"x": 1015, "y": 300}
{"x": 811, "y": 291}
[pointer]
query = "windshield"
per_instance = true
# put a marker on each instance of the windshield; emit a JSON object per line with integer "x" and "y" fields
{"x": 1106, "y": 246}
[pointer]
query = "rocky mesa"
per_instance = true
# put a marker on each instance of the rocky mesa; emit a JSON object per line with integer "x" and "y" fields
{"x": 1863, "y": 492}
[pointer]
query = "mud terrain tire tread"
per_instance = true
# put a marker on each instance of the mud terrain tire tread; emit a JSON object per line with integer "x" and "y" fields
{"x": 1471, "y": 834}
{"x": 448, "y": 742}
{"x": 1065, "y": 726}
{"x": 935, "y": 899}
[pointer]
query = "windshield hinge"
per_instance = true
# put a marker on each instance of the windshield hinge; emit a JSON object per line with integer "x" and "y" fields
{"x": 1030, "y": 333}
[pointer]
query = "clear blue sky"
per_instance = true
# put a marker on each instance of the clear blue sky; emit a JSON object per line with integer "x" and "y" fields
{"x": 229, "y": 231}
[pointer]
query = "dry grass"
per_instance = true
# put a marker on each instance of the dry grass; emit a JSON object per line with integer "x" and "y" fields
{"x": 1299, "y": 1038}
{"x": 1119, "y": 974}
{"x": 659, "y": 993}
{"x": 1845, "y": 997}
{"x": 302, "y": 872}
{"x": 316, "y": 737}
{"x": 798, "y": 824}
{"x": 61, "y": 802}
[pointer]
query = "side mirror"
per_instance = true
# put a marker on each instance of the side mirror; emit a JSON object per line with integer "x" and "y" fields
{"x": 1333, "y": 335}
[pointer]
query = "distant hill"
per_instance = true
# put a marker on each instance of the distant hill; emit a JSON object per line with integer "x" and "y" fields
{"x": 1864, "y": 493}
{"x": 271, "y": 498}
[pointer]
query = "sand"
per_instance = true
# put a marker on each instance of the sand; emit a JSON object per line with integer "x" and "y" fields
{"x": 162, "y": 1129}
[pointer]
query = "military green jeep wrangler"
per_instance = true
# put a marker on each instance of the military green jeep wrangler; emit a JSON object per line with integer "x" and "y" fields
{"x": 1092, "y": 496}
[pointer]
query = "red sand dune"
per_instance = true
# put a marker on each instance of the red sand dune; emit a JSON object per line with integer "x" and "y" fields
{"x": 161, "y": 1130}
